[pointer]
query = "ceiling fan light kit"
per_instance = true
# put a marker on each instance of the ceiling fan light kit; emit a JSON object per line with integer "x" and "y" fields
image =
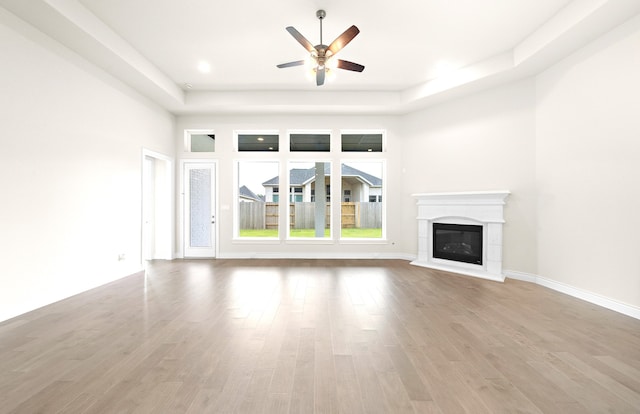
{"x": 321, "y": 55}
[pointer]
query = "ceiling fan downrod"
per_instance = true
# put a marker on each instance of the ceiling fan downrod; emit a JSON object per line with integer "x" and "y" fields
{"x": 321, "y": 14}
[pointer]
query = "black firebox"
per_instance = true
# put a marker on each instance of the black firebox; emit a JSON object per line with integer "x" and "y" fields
{"x": 458, "y": 242}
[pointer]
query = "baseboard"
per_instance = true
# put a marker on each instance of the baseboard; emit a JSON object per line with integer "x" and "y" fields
{"x": 326, "y": 256}
{"x": 585, "y": 295}
{"x": 525, "y": 277}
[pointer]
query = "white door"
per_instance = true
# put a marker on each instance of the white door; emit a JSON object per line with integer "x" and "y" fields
{"x": 199, "y": 210}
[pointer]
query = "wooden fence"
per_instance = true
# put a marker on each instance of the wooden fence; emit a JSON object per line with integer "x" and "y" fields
{"x": 302, "y": 215}
{"x": 252, "y": 215}
{"x": 361, "y": 215}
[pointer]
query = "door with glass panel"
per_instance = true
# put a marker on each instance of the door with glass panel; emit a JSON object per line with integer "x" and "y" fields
{"x": 199, "y": 210}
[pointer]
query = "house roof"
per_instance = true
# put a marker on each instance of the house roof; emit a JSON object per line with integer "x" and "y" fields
{"x": 244, "y": 192}
{"x": 302, "y": 176}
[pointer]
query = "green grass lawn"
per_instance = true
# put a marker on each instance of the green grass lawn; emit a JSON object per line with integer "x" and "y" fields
{"x": 345, "y": 234}
{"x": 259, "y": 233}
{"x": 362, "y": 233}
{"x": 306, "y": 233}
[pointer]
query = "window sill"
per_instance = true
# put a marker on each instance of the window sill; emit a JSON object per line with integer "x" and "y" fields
{"x": 309, "y": 240}
{"x": 363, "y": 241}
{"x": 255, "y": 240}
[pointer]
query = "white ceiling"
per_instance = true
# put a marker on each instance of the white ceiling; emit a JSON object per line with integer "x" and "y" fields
{"x": 401, "y": 43}
{"x": 416, "y": 52}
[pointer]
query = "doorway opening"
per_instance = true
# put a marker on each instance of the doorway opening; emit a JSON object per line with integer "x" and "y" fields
{"x": 157, "y": 206}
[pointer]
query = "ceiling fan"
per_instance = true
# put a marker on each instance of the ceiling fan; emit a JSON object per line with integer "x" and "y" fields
{"x": 322, "y": 55}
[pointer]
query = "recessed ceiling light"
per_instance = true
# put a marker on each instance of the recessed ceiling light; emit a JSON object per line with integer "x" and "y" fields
{"x": 204, "y": 67}
{"x": 260, "y": 139}
{"x": 188, "y": 85}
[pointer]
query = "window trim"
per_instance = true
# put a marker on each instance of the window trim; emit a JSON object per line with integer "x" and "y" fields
{"x": 285, "y": 159}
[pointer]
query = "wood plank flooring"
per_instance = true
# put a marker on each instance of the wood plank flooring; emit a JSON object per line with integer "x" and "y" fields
{"x": 318, "y": 336}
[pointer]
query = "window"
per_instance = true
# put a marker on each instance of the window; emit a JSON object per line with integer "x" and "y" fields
{"x": 258, "y": 142}
{"x": 295, "y": 194}
{"x": 310, "y": 142}
{"x": 306, "y": 209}
{"x": 308, "y": 217}
{"x": 199, "y": 141}
{"x": 362, "y": 142}
{"x": 362, "y": 208}
{"x": 258, "y": 208}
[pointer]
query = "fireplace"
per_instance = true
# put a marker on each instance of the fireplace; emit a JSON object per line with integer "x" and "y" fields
{"x": 457, "y": 242}
{"x": 462, "y": 232}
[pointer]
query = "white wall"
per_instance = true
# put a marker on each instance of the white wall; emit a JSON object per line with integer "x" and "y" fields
{"x": 225, "y": 155}
{"x": 588, "y": 167}
{"x": 70, "y": 171}
{"x": 481, "y": 142}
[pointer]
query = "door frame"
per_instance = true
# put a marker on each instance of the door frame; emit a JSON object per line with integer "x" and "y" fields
{"x": 163, "y": 182}
{"x": 182, "y": 202}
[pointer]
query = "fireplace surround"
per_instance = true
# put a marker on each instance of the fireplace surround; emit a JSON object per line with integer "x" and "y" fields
{"x": 471, "y": 225}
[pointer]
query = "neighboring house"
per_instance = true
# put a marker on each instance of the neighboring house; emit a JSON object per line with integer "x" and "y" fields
{"x": 248, "y": 196}
{"x": 357, "y": 186}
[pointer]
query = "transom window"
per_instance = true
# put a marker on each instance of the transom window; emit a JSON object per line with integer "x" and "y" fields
{"x": 258, "y": 142}
{"x": 362, "y": 142}
{"x": 197, "y": 140}
{"x": 310, "y": 142}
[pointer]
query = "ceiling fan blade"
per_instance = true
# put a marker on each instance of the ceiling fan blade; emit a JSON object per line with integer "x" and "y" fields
{"x": 345, "y": 64}
{"x": 301, "y": 39}
{"x": 290, "y": 64}
{"x": 342, "y": 40}
{"x": 320, "y": 75}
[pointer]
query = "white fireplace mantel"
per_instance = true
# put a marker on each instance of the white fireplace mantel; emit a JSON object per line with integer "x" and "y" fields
{"x": 483, "y": 208}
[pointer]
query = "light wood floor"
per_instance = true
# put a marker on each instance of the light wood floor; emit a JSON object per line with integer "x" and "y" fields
{"x": 318, "y": 336}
